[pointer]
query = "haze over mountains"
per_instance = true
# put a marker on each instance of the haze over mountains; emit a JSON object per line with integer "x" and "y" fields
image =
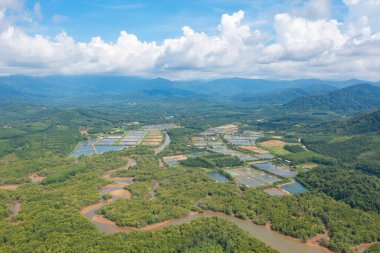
{"x": 87, "y": 87}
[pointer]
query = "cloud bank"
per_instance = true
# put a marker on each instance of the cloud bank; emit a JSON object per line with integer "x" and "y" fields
{"x": 305, "y": 43}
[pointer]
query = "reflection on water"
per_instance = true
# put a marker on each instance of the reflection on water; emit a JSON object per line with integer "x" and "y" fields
{"x": 294, "y": 188}
{"x": 265, "y": 166}
{"x": 90, "y": 148}
{"x": 274, "y": 239}
{"x": 104, "y": 149}
{"x": 218, "y": 177}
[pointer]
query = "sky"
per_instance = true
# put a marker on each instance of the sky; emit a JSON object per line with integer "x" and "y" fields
{"x": 198, "y": 39}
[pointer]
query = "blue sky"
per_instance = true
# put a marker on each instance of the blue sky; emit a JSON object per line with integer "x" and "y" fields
{"x": 272, "y": 39}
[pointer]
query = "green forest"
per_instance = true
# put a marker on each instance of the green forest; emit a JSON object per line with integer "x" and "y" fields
{"x": 343, "y": 200}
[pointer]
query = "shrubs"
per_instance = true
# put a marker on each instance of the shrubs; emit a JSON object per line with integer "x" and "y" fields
{"x": 356, "y": 188}
{"x": 213, "y": 161}
{"x": 309, "y": 156}
{"x": 199, "y": 162}
{"x": 64, "y": 175}
{"x": 345, "y": 150}
{"x": 294, "y": 148}
{"x": 106, "y": 196}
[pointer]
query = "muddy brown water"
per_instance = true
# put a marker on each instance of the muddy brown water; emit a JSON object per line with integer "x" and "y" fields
{"x": 283, "y": 244}
{"x": 274, "y": 239}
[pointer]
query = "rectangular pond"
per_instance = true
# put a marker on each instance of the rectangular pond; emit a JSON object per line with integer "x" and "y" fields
{"x": 84, "y": 148}
{"x": 294, "y": 188}
{"x": 250, "y": 182}
{"x": 218, "y": 177}
{"x": 275, "y": 169}
{"x": 265, "y": 166}
{"x": 265, "y": 156}
{"x": 104, "y": 149}
{"x": 252, "y": 177}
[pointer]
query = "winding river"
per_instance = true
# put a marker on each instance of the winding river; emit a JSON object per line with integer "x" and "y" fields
{"x": 282, "y": 243}
{"x": 163, "y": 145}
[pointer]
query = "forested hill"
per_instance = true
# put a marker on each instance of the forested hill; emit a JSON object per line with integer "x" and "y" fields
{"x": 367, "y": 122}
{"x": 284, "y": 96}
{"x": 8, "y": 94}
{"x": 354, "y": 98}
{"x": 362, "y": 123}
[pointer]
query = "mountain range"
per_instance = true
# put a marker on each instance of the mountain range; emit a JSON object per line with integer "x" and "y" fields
{"x": 297, "y": 95}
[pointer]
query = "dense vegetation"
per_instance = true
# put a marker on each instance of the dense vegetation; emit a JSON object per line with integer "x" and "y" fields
{"x": 356, "y": 188}
{"x": 182, "y": 190}
{"x": 294, "y": 148}
{"x": 367, "y": 122}
{"x": 373, "y": 249}
{"x": 344, "y": 148}
{"x": 50, "y": 220}
{"x": 213, "y": 161}
{"x": 38, "y": 139}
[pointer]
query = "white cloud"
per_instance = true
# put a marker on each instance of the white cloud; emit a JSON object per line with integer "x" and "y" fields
{"x": 314, "y": 9}
{"x": 303, "y": 39}
{"x": 363, "y": 18}
{"x": 301, "y": 47}
{"x": 12, "y": 4}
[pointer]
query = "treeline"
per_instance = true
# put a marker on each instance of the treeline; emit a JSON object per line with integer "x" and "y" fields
{"x": 213, "y": 161}
{"x": 65, "y": 174}
{"x": 345, "y": 149}
{"x": 371, "y": 167}
{"x": 308, "y": 156}
{"x": 4, "y": 206}
{"x": 354, "y": 187}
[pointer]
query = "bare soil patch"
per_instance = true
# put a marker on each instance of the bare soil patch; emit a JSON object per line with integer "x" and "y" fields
{"x": 273, "y": 143}
{"x": 362, "y": 247}
{"x": 11, "y": 187}
{"x": 315, "y": 241}
{"x": 198, "y": 138}
{"x": 121, "y": 194}
{"x": 275, "y": 192}
{"x": 254, "y": 149}
{"x": 310, "y": 165}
